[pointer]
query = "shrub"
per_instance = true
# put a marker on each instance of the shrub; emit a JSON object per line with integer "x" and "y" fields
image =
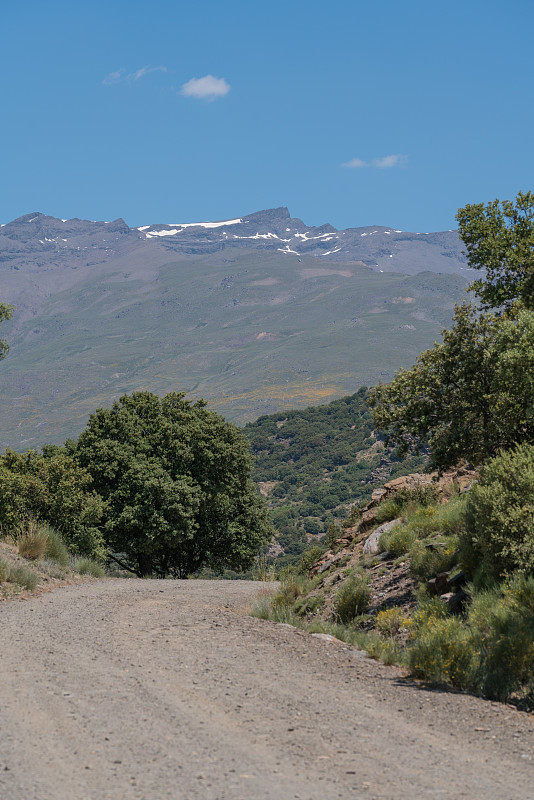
{"x": 426, "y": 614}
{"x": 56, "y": 549}
{"x": 390, "y": 621}
{"x": 33, "y": 541}
{"x": 3, "y": 571}
{"x": 23, "y": 577}
{"x": 353, "y": 517}
{"x": 451, "y": 515}
{"x": 352, "y": 599}
{"x": 430, "y": 558}
{"x": 424, "y": 523}
{"x": 262, "y": 608}
{"x": 309, "y": 605}
{"x": 309, "y": 558}
{"x": 442, "y": 652}
{"x": 333, "y": 533}
{"x": 52, "y": 569}
{"x": 388, "y": 510}
{"x": 406, "y": 501}
{"x": 423, "y": 495}
{"x": 398, "y": 540}
{"x": 499, "y": 518}
{"x": 313, "y": 526}
{"x": 491, "y": 652}
{"x": 86, "y": 566}
{"x": 293, "y": 587}
{"x": 501, "y": 621}
{"x": 386, "y": 650}
{"x": 51, "y": 487}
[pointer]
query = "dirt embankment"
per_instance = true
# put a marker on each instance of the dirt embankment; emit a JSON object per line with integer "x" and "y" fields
{"x": 137, "y": 690}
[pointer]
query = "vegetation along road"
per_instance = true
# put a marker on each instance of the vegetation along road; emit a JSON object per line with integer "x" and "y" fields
{"x": 166, "y": 689}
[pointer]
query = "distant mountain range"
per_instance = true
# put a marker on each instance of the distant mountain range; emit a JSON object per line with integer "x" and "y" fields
{"x": 256, "y": 314}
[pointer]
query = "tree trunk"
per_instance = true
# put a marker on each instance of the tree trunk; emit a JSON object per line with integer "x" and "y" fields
{"x": 144, "y": 562}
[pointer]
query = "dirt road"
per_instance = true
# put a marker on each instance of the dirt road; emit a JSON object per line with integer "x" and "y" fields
{"x": 130, "y": 690}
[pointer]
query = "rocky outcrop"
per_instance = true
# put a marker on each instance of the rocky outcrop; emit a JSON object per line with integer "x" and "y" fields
{"x": 449, "y": 589}
{"x": 445, "y": 485}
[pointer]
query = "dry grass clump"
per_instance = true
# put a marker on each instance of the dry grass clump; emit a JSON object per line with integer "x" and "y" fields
{"x": 23, "y": 577}
{"x": 87, "y": 566}
{"x": 32, "y": 541}
{"x": 39, "y": 540}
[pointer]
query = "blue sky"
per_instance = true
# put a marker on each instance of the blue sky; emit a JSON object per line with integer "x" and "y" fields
{"x": 354, "y": 113}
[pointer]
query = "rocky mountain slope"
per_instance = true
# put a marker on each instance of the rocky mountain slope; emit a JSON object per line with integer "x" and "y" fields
{"x": 390, "y": 581}
{"x": 39, "y": 239}
{"x": 257, "y": 314}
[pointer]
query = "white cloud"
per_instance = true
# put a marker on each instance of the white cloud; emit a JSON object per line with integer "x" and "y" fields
{"x": 389, "y": 161}
{"x": 121, "y": 75}
{"x": 384, "y": 162}
{"x": 206, "y": 88}
{"x": 114, "y": 77}
{"x": 134, "y": 76}
{"x": 355, "y": 163}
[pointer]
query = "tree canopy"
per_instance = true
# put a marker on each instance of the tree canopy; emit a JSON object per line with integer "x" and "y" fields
{"x": 51, "y": 488}
{"x": 469, "y": 396}
{"x": 499, "y": 237}
{"x": 472, "y": 395}
{"x": 176, "y": 481}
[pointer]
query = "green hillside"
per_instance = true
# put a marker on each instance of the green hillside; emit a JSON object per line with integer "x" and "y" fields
{"x": 252, "y": 332}
{"x": 314, "y": 465}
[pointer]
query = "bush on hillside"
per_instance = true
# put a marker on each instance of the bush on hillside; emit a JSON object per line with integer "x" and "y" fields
{"x": 490, "y": 651}
{"x": 501, "y": 621}
{"x": 23, "y": 577}
{"x": 352, "y": 599}
{"x": 309, "y": 558}
{"x": 32, "y": 541}
{"x": 499, "y": 517}
{"x": 56, "y": 549}
{"x": 87, "y": 566}
{"x": 51, "y": 488}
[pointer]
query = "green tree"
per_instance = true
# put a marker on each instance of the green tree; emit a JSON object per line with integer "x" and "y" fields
{"x": 500, "y": 513}
{"x": 473, "y": 394}
{"x": 469, "y": 396}
{"x": 176, "y": 479}
{"x": 6, "y": 312}
{"x": 499, "y": 237}
{"x": 51, "y": 488}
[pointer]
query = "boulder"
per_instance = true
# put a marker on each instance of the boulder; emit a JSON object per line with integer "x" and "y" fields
{"x": 371, "y": 547}
{"x": 439, "y": 584}
{"x": 378, "y": 494}
{"x": 454, "y": 601}
{"x": 458, "y": 581}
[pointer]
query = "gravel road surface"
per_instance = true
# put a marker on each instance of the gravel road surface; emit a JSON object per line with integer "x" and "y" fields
{"x": 146, "y": 690}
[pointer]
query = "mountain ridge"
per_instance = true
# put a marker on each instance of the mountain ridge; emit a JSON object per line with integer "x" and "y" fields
{"x": 102, "y": 310}
{"x": 390, "y": 250}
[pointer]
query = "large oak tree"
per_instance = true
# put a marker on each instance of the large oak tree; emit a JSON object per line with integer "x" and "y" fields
{"x": 176, "y": 481}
